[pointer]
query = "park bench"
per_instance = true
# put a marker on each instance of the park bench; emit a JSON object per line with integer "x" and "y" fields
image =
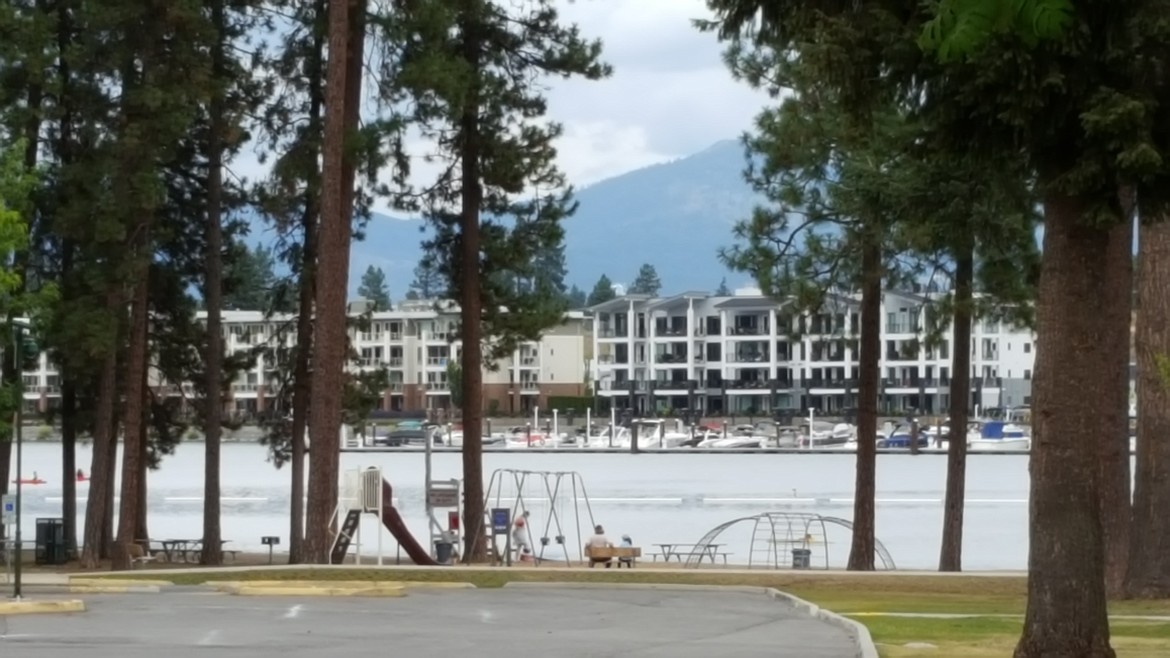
{"x": 139, "y": 556}
{"x": 627, "y": 555}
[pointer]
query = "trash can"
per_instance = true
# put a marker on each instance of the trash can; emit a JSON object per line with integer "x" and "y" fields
{"x": 801, "y": 558}
{"x": 443, "y": 551}
{"x": 50, "y": 544}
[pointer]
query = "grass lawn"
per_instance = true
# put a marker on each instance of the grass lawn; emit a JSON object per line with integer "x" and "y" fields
{"x": 848, "y": 594}
{"x": 992, "y": 637}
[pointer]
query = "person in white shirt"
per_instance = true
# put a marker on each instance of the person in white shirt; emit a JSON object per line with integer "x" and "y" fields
{"x": 520, "y": 538}
{"x": 599, "y": 540}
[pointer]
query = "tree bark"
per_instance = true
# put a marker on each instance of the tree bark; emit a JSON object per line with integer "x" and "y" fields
{"x": 137, "y": 361}
{"x": 101, "y": 480}
{"x": 1148, "y": 576}
{"x": 69, "y": 460}
{"x": 1115, "y": 497}
{"x": 330, "y": 344}
{"x": 861, "y": 550}
{"x": 108, "y": 512}
{"x": 951, "y": 554}
{"x": 141, "y": 532}
{"x": 213, "y": 295}
{"x": 470, "y": 329}
{"x": 1066, "y": 612}
{"x": 301, "y": 371}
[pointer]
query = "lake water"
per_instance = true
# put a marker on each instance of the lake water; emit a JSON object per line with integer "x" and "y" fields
{"x": 656, "y": 498}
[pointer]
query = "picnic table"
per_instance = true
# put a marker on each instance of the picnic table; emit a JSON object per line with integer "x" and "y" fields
{"x": 185, "y": 550}
{"x": 678, "y": 551}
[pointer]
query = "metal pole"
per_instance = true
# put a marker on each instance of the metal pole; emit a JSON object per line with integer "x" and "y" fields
{"x": 16, "y": 590}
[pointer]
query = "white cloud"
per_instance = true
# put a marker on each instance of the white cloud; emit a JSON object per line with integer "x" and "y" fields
{"x": 669, "y": 96}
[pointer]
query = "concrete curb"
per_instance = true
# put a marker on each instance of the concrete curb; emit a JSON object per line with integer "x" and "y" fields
{"x": 40, "y": 607}
{"x": 380, "y": 592}
{"x": 856, "y": 630}
{"x": 335, "y": 584}
{"x": 113, "y": 589}
{"x": 118, "y": 582}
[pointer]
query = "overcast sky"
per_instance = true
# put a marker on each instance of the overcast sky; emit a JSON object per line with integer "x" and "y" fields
{"x": 669, "y": 96}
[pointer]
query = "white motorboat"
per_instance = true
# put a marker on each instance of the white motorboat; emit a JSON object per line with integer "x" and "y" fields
{"x": 996, "y": 435}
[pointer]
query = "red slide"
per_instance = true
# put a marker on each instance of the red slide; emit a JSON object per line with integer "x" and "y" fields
{"x": 397, "y": 527}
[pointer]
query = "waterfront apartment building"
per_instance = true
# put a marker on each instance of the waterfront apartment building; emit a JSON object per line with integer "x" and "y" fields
{"x": 747, "y": 354}
{"x": 414, "y": 343}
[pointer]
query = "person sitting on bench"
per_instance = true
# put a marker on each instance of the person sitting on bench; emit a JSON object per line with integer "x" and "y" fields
{"x": 627, "y": 562}
{"x": 599, "y": 540}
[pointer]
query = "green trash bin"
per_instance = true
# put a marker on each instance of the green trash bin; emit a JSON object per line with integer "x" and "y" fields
{"x": 801, "y": 558}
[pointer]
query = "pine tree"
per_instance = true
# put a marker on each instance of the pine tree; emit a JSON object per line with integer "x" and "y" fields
{"x": 249, "y": 279}
{"x": 576, "y": 298}
{"x": 470, "y": 68}
{"x": 723, "y": 290}
{"x": 602, "y": 291}
{"x": 373, "y": 288}
{"x": 647, "y": 281}
{"x": 428, "y": 281}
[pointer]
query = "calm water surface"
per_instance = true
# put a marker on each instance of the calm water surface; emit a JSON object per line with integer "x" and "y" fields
{"x": 655, "y": 498}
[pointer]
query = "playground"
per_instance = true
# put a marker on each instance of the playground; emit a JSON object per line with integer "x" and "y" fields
{"x": 546, "y": 518}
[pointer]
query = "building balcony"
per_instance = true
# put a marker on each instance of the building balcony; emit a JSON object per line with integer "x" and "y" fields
{"x": 396, "y": 387}
{"x": 437, "y": 387}
{"x": 829, "y": 383}
{"x": 736, "y": 332}
{"x": 902, "y": 328}
{"x": 394, "y": 362}
{"x": 748, "y": 357}
{"x": 529, "y": 385}
{"x": 670, "y": 358}
{"x": 670, "y": 332}
{"x": 437, "y": 361}
{"x": 397, "y": 336}
{"x": 611, "y": 332}
{"x": 437, "y": 336}
{"x": 529, "y": 361}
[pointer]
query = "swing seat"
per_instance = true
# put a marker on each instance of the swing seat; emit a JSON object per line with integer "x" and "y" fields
{"x": 561, "y": 540}
{"x": 544, "y": 541}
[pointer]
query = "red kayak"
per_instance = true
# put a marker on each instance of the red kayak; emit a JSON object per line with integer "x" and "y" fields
{"x": 30, "y": 481}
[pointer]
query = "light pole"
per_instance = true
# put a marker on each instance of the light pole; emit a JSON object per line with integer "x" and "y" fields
{"x": 18, "y": 329}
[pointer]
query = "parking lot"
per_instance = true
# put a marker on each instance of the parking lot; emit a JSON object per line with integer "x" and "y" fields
{"x": 485, "y": 622}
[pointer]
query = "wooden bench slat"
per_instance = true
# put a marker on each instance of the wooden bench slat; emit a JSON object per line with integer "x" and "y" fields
{"x": 600, "y": 552}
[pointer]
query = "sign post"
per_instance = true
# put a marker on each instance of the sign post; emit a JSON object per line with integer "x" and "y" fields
{"x": 502, "y": 525}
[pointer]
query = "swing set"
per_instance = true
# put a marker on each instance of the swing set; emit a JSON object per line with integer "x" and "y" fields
{"x": 551, "y": 500}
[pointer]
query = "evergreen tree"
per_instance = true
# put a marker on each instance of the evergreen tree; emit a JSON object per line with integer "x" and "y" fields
{"x": 373, "y": 288}
{"x": 723, "y": 290}
{"x": 428, "y": 281}
{"x": 576, "y": 298}
{"x": 602, "y": 291}
{"x": 647, "y": 281}
{"x": 470, "y": 69}
{"x": 249, "y": 279}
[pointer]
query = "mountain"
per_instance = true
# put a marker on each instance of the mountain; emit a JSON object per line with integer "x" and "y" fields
{"x": 673, "y": 215}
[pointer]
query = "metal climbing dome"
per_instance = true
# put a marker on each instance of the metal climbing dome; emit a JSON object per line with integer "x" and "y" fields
{"x": 776, "y": 535}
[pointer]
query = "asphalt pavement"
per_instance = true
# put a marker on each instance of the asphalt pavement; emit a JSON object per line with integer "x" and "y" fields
{"x": 487, "y": 623}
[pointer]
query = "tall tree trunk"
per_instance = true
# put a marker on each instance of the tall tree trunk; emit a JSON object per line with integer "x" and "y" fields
{"x": 110, "y": 509}
{"x": 213, "y": 296}
{"x": 101, "y": 481}
{"x": 861, "y": 550}
{"x": 141, "y": 532}
{"x": 1115, "y": 498}
{"x": 951, "y": 554}
{"x": 1066, "y": 613}
{"x": 69, "y": 408}
{"x": 309, "y": 222}
{"x": 137, "y": 353}
{"x": 330, "y": 337}
{"x": 470, "y": 329}
{"x": 1149, "y": 558}
{"x": 69, "y": 460}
